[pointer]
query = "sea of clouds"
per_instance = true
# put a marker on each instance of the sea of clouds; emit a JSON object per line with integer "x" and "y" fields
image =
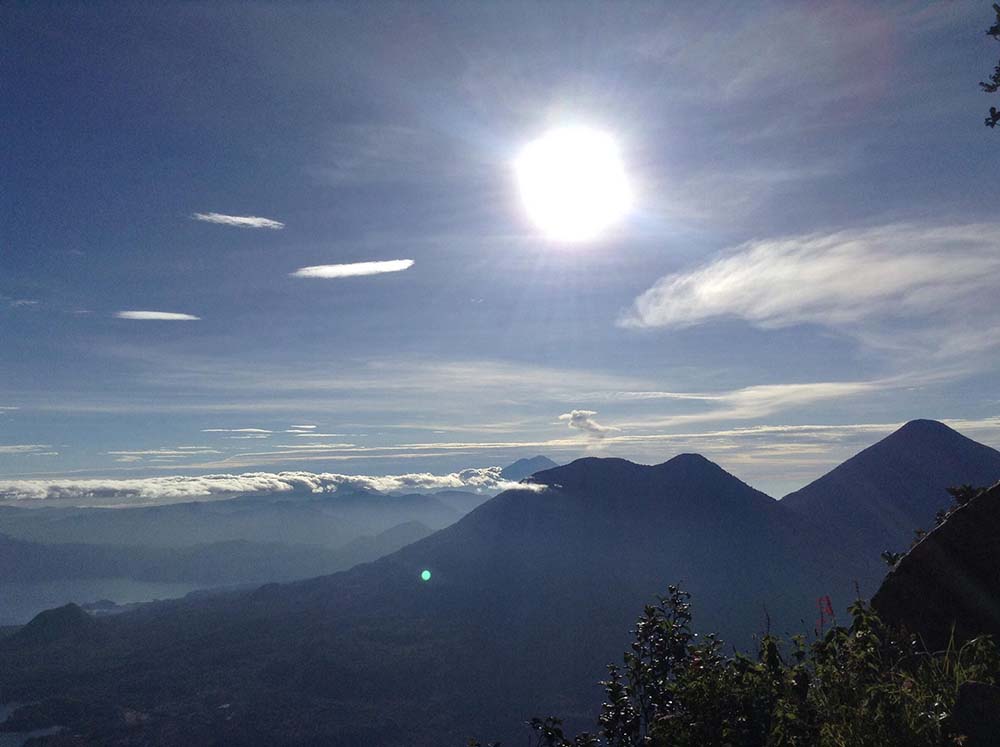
{"x": 175, "y": 488}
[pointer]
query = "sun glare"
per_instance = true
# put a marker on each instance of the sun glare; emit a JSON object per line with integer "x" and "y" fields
{"x": 573, "y": 183}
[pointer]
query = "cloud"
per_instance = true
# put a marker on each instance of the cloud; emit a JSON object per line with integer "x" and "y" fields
{"x": 159, "y": 454}
{"x": 303, "y": 427}
{"x": 315, "y": 447}
{"x": 584, "y": 420}
{"x": 164, "y": 316}
{"x": 37, "y": 449}
{"x": 240, "y": 221}
{"x": 871, "y": 283}
{"x": 354, "y": 269}
{"x": 754, "y": 401}
{"x": 235, "y": 430}
{"x": 181, "y": 487}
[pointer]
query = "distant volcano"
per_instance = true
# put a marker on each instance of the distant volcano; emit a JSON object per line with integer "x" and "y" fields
{"x": 526, "y": 467}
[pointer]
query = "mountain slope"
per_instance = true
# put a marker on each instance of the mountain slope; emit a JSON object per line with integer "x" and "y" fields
{"x": 877, "y": 499}
{"x": 529, "y": 596}
{"x": 948, "y": 584}
{"x": 27, "y": 569}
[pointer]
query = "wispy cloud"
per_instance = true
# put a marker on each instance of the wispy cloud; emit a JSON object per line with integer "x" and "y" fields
{"x": 17, "y": 303}
{"x": 752, "y": 402}
{"x": 35, "y": 449}
{"x": 240, "y": 221}
{"x": 872, "y": 283}
{"x": 354, "y": 269}
{"x": 583, "y": 420}
{"x": 160, "y": 316}
{"x": 314, "y": 447}
{"x": 235, "y": 430}
{"x": 182, "y": 487}
{"x": 181, "y": 452}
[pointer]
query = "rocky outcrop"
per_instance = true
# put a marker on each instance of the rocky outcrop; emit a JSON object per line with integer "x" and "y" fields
{"x": 950, "y": 580}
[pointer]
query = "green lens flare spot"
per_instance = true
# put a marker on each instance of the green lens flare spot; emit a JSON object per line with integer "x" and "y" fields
{"x": 425, "y": 575}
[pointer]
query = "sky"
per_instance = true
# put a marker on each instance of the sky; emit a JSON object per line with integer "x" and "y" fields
{"x": 810, "y": 256}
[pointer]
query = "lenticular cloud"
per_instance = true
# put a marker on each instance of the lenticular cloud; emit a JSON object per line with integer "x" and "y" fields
{"x": 157, "y": 316}
{"x": 354, "y": 269}
{"x": 239, "y": 221}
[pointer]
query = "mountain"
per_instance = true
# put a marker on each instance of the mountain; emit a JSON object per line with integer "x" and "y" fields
{"x": 529, "y": 596}
{"x": 526, "y": 599}
{"x": 461, "y": 500}
{"x": 877, "y": 499}
{"x": 27, "y": 569}
{"x": 526, "y": 468}
{"x": 328, "y": 520}
{"x": 50, "y": 626}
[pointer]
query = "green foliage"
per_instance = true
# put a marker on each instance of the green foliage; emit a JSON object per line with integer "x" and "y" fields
{"x": 992, "y": 84}
{"x": 862, "y": 685}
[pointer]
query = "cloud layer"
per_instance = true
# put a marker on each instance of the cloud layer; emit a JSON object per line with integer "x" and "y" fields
{"x": 179, "y": 487}
{"x": 354, "y": 269}
{"x": 240, "y": 221}
{"x": 159, "y": 316}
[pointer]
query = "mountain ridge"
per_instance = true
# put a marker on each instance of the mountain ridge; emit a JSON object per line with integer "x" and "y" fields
{"x": 533, "y": 592}
{"x": 529, "y": 595}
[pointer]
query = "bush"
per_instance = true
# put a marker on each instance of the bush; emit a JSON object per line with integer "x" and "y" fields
{"x": 864, "y": 685}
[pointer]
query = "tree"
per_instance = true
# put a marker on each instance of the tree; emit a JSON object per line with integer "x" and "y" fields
{"x": 992, "y": 85}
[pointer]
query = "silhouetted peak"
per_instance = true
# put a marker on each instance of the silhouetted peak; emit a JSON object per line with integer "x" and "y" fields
{"x": 526, "y": 467}
{"x": 926, "y": 438}
{"x": 925, "y": 429}
{"x": 924, "y": 425}
{"x": 685, "y": 477}
{"x": 692, "y": 461}
{"x": 51, "y": 625}
{"x": 579, "y": 471}
{"x": 899, "y": 483}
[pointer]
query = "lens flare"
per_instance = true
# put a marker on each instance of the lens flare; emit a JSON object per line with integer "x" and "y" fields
{"x": 425, "y": 575}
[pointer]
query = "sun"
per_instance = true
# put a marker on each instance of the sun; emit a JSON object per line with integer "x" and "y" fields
{"x": 573, "y": 183}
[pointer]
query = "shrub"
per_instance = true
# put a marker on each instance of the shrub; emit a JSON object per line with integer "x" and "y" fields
{"x": 862, "y": 685}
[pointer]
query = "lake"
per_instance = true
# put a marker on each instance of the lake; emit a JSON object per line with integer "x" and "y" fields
{"x": 19, "y": 602}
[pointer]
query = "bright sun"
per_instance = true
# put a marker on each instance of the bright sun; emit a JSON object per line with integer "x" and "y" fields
{"x": 573, "y": 183}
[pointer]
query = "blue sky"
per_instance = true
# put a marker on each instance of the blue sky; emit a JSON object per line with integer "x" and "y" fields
{"x": 810, "y": 259}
